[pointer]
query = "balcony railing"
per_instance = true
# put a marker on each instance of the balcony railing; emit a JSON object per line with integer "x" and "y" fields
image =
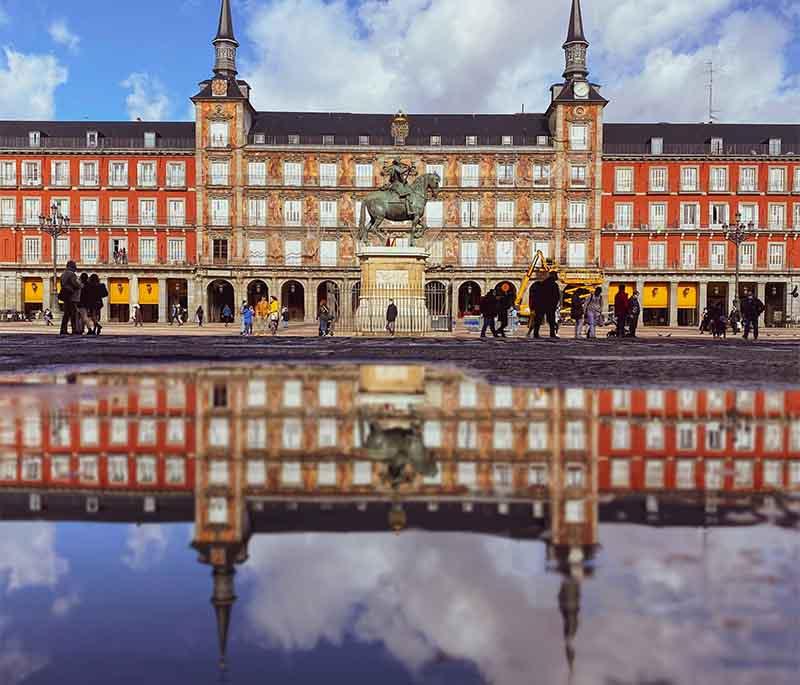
{"x": 60, "y": 181}
{"x": 388, "y": 140}
{"x": 79, "y": 143}
{"x": 90, "y": 180}
{"x": 643, "y": 264}
{"x": 8, "y": 181}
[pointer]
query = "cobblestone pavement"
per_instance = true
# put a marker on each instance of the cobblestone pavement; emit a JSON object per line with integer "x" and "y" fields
{"x": 598, "y": 363}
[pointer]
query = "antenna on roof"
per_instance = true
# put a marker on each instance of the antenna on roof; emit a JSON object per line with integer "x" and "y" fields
{"x": 523, "y": 108}
{"x": 712, "y": 113}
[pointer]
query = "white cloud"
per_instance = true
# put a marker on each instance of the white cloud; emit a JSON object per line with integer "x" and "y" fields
{"x": 64, "y": 604}
{"x": 28, "y": 83}
{"x": 28, "y": 557}
{"x": 16, "y": 663}
{"x": 146, "y": 546}
{"x": 148, "y": 99}
{"x": 61, "y": 34}
{"x": 423, "y": 55}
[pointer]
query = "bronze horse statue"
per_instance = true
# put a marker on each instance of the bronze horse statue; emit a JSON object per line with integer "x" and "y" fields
{"x": 385, "y": 204}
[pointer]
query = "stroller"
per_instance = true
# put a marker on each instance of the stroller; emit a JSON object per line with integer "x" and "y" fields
{"x": 611, "y": 320}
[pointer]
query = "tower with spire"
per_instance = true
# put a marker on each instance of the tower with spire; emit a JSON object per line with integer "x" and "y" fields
{"x": 576, "y": 46}
{"x": 225, "y": 43}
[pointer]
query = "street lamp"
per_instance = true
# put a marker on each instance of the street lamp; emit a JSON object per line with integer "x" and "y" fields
{"x": 55, "y": 226}
{"x": 737, "y": 234}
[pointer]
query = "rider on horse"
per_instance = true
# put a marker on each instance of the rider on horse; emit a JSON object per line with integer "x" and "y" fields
{"x": 398, "y": 174}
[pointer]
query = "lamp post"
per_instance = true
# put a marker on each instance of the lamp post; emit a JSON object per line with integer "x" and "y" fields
{"x": 55, "y": 226}
{"x": 737, "y": 233}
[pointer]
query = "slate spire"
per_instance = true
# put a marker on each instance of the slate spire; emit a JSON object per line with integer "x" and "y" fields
{"x": 223, "y": 600}
{"x": 225, "y": 29}
{"x": 576, "y": 46}
{"x": 225, "y": 43}
{"x": 575, "y": 28}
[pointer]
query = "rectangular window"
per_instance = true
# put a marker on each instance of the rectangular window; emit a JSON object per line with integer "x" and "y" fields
{"x": 293, "y": 173}
{"x": 777, "y": 180}
{"x": 718, "y": 213}
{"x": 293, "y": 252}
{"x": 796, "y": 184}
{"x": 146, "y": 470}
{"x": 777, "y": 217}
{"x": 773, "y": 473}
{"x": 147, "y": 250}
{"x": 684, "y": 474}
{"x": 362, "y": 473}
{"x": 578, "y": 137}
{"x": 149, "y": 139}
{"x": 714, "y": 474}
{"x": 775, "y": 256}
{"x": 747, "y": 255}
{"x": 689, "y": 179}
{"x": 436, "y": 249}
{"x": 623, "y": 180}
{"x": 654, "y": 473}
{"x": 575, "y": 437}
{"x": 715, "y": 436}
{"x": 658, "y": 215}
{"x": 257, "y": 211}
{"x": 743, "y": 473}
{"x": 31, "y": 174}
{"x": 176, "y": 212}
{"x": 576, "y": 254}
{"x": 327, "y": 431}
{"x": 218, "y": 134}
{"x": 32, "y": 250}
{"x": 690, "y": 215}
{"x": 218, "y": 175}
{"x": 505, "y": 213}
{"x": 88, "y": 174}
{"x": 622, "y": 255}
{"x": 504, "y": 251}
{"x": 119, "y": 212}
{"x": 577, "y": 176}
{"x": 658, "y": 180}
{"x": 8, "y": 211}
{"x": 257, "y": 251}
{"x": 719, "y": 180}
{"x": 437, "y": 169}
{"x": 541, "y": 174}
{"x": 620, "y": 435}
{"x": 577, "y": 214}
{"x": 716, "y": 146}
{"x": 328, "y": 253}
{"x": 469, "y": 213}
{"x": 620, "y": 473}
{"x": 176, "y": 175}
{"x": 435, "y": 140}
{"x": 469, "y": 253}
{"x": 88, "y": 212}
{"x": 748, "y": 179}
{"x": 434, "y": 213}
{"x": 8, "y": 173}
{"x": 89, "y": 250}
{"x": 327, "y": 174}
{"x": 118, "y": 174}
{"x": 219, "y": 211}
{"x": 505, "y": 174}
{"x": 364, "y": 178}
{"x": 688, "y": 255}
{"x": 654, "y": 436}
{"x": 470, "y": 175}
{"x": 363, "y": 140}
{"x": 59, "y": 173}
{"x": 147, "y": 212}
{"x": 623, "y": 216}
{"x": 257, "y": 173}
{"x": 292, "y": 212}
{"x": 541, "y": 214}
{"x": 774, "y": 146}
{"x": 657, "y": 255}
{"x": 717, "y": 257}
{"x": 542, "y": 246}
{"x": 146, "y": 174}
{"x": 656, "y": 146}
{"x": 471, "y": 141}
{"x": 467, "y": 474}
{"x": 176, "y": 250}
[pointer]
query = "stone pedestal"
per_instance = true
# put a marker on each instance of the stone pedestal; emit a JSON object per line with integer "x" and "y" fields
{"x": 392, "y": 273}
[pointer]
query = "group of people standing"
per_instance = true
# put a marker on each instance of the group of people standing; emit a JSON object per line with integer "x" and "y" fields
{"x": 264, "y": 317}
{"x": 589, "y": 312}
{"x": 715, "y": 320}
{"x": 82, "y": 298}
{"x": 494, "y": 308}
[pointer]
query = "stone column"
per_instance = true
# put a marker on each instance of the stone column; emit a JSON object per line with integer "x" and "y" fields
{"x": 673, "y": 303}
{"x": 46, "y": 292}
{"x": 17, "y": 282}
{"x": 163, "y": 301}
{"x": 310, "y": 300}
{"x": 702, "y": 297}
{"x": 761, "y": 290}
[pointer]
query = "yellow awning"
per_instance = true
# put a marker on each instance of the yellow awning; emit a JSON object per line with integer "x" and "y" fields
{"x": 655, "y": 296}
{"x": 34, "y": 290}
{"x": 687, "y": 296}
{"x": 148, "y": 291}
{"x": 118, "y": 291}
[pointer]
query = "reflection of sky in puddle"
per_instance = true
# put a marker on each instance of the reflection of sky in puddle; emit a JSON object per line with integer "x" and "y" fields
{"x": 481, "y": 587}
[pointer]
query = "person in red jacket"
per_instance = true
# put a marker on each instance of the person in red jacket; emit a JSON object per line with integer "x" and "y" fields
{"x": 621, "y": 309}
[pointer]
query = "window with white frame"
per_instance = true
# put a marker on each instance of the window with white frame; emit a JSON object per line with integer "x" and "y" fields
{"x": 620, "y": 399}
{"x": 362, "y": 473}
{"x": 257, "y": 211}
{"x": 175, "y": 471}
{"x": 8, "y": 211}
{"x": 505, "y": 173}
{"x": 505, "y": 213}
{"x": 658, "y": 179}
{"x": 219, "y": 173}
{"x": 327, "y": 174}
{"x": 654, "y": 399}
{"x": 149, "y": 139}
{"x": 654, "y": 436}
{"x": 364, "y": 177}
{"x": 59, "y": 468}
{"x": 504, "y": 252}
{"x": 32, "y": 250}
{"x": 437, "y": 169}
{"x": 146, "y": 470}
{"x": 119, "y": 431}
{"x": 218, "y": 134}
{"x": 469, "y": 253}
{"x": 31, "y": 210}
{"x": 147, "y": 212}
{"x": 147, "y": 250}
{"x": 467, "y": 435}
{"x": 773, "y": 473}
{"x": 623, "y": 180}
{"x": 89, "y": 173}
{"x": 716, "y": 146}
{"x": 742, "y": 473}
{"x": 620, "y": 473}
{"x": 327, "y": 431}
{"x": 748, "y": 179}
{"x": 776, "y": 180}
{"x": 469, "y": 213}
{"x": 773, "y": 401}
{"x": 176, "y": 250}
{"x": 796, "y": 183}
{"x": 715, "y": 436}
{"x": 688, "y": 255}
{"x": 217, "y": 510}
{"x": 292, "y": 212}
{"x": 467, "y": 394}
{"x": 89, "y": 213}
{"x": 59, "y": 173}
{"x": 542, "y": 246}
{"x": 620, "y": 435}
{"x": 146, "y": 174}
{"x": 576, "y": 253}
{"x": 577, "y": 214}
{"x": 326, "y": 473}
{"x": 176, "y": 174}
{"x": 118, "y": 174}
{"x": 467, "y": 474}
{"x": 435, "y": 141}
{"x": 470, "y": 175}
{"x": 293, "y": 252}
{"x": 537, "y": 474}
{"x": 541, "y": 174}
{"x": 716, "y": 400}
{"x": 541, "y": 213}
{"x": 718, "y": 255}
{"x": 623, "y": 215}
{"x": 578, "y": 137}
{"x": 146, "y": 432}
{"x": 774, "y": 146}
{"x": 575, "y": 435}
{"x": 363, "y": 140}
{"x": 503, "y": 435}
{"x": 293, "y": 173}
{"x": 718, "y": 213}
{"x": 574, "y": 398}
{"x": 256, "y": 472}
{"x": 176, "y": 212}
{"x": 718, "y": 181}
{"x": 257, "y": 251}
{"x": 657, "y": 255}
{"x": 471, "y": 141}
{"x": 176, "y": 431}
{"x": 31, "y": 173}
{"x": 690, "y": 215}
{"x": 714, "y": 474}
{"x": 658, "y": 215}
{"x": 257, "y": 173}
{"x": 796, "y": 215}
{"x": 687, "y": 400}
{"x": 328, "y": 253}
{"x": 32, "y": 468}
{"x": 777, "y": 217}
{"x": 744, "y": 438}
{"x": 689, "y": 179}
{"x": 434, "y": 213}
{"x": 684, "y": 474}
{"x": 436, "y": 250}
{"x": 89, "y": 250}
{"x": 654, "y": 473}
{"x": 62, "y": 205}
{"x": 8, "y": 173}
{"x": 292, "y": 435}
{"x": 775, "y": 255}
{"x": 773, "y": 437}
{"x": 747, "y": 255}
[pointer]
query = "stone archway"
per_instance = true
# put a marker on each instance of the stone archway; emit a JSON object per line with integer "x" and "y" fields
{"x": 256, "y": 290}
{"x": 329, "y": 292}
{"x": 220, "y": 292}
{"x": 469, "y": 298}
{"x": 293, "y": 297}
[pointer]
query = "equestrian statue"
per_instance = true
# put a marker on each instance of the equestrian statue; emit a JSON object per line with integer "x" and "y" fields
{"x": 398, "y": 200}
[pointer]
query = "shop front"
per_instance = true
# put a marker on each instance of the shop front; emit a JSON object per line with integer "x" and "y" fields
{"x": 119, "y": 297}
{"x": 148, "y": 299}
{"x": 775, "y": 303}
{"x": 717, "y": 295}
{"x": 687, "y": 304}
{"x": 655, "y": 304}
{"x": 178, "y": 294}
{"x": 32, "y": 296}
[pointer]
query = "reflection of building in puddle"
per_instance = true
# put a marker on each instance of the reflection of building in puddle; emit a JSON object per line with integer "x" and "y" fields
{"x": 266, "y": 450}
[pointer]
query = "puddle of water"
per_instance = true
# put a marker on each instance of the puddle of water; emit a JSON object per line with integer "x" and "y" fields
{"x": 401, "y": 523}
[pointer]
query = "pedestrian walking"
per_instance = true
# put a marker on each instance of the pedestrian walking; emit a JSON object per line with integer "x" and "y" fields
{"x": 548, "y": 298}
{"x": 227, "y": 315}
{"x": 262, "y": 316}
{"x": 705, "y": 320}
{"x": 502, "y": 314}
{"x": 634, "y": 310}
{"x": 285, "y": 316}
{"x": 488, "y": 312}
{"x": 274, "y": 314}
{"x": 70, "y": 296}
{"x": 137, "y": 316}
{"x": 242, "y": 309}
{"x": 247, "y": 319}
{"x": 534, "y": 305}
{"x": 735, "y": 318}
{"x": 391, "y": 317}
{"x": 594, "y": 311}
{"x": 621, "y": 310}
{"x": 324, "y": 317}
{"x": 752, "y": 308}
{"x": 576, "y": 312}
{"x": 199, "y": 314}
{"x": 97, "y": 293}
{"x": 48, "y": 317}
{"x": 84, "y": 324}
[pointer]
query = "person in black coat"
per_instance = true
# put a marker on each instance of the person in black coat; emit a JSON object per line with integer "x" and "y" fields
{"x": 488, "y": 312}
{"x": 752, "y": 308}
{"x": 502, "y": 313}
{"x": 391, "y": 317}
{"x": 547, "y": 297}
{"x": 97, "y": 293}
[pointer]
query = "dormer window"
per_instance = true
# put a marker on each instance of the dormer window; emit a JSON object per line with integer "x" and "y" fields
{"x": 363, "y": 140}
{"x": 542, "y": 140}
{"x": 91, "y": 139}
{"x": 436, "y": 140}
{"x": 774, "y": 146}
{"x": 656, "y": 146}
{"x": 508, "y": 140}
{"x": 149, "y": 139}
{"x": 328, "y": 140}
{"x": 294, "y": 139}
{"x": 259, "y": 139}
{"x": 34, "y": 139}
{"x": 472, "y": 141}
{"x": 716, "y": 146}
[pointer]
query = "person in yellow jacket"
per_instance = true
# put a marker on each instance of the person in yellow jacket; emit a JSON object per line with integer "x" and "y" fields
{"x": 274, "y": 314}
{"x": 262, "y": 315}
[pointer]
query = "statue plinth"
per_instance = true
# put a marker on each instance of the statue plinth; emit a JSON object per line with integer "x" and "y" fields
{"x": 392, "y": 274}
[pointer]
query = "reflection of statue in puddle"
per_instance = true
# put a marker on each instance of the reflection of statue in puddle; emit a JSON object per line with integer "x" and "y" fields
{"x": 401, "y": 448}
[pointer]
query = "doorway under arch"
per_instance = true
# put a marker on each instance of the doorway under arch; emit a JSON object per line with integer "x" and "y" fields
{"x": 220, "y": 293}
{"x": 293, "y": 297}
{"x": 256, "y": 290}
{"x": 469, "y": 298}
{"x": 329, "y": 292}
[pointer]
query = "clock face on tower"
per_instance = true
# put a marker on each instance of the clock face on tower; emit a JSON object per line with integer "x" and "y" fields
{"x": 581, "y": 89}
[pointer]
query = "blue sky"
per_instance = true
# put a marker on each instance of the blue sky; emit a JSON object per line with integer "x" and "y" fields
{"x": 100, "y": 60}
